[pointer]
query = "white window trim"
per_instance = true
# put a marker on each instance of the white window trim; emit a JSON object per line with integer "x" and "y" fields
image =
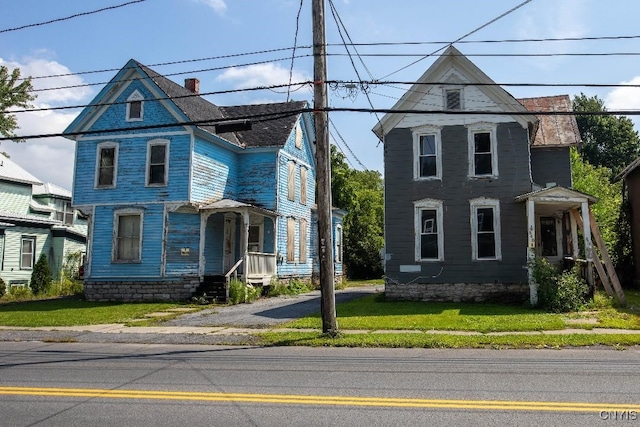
{"x": 425, "y": 131}
{"x": 446, "y": 89}
{"x": 483, "y": 128}
{"x": 476, "y": 204}
{"x": 339, "y": 244}
{"x": 135, "y": 96}
{"x": 100, "y": 146}
{"x": 114, "y": 243}
{"x": 419, "y": 206}
{"x": 33, "y": 252}
{"x": 260, "y": 226}
{"x": 150, "y": 144}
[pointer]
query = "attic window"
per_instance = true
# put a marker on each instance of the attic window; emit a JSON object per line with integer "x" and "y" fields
{"x": 453, "y": 99}
{"x": 135, "y": 106}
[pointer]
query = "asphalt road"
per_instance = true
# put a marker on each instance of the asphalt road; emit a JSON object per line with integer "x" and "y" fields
{"x": 71, "y": 384}
{"x": 268, "y": 312}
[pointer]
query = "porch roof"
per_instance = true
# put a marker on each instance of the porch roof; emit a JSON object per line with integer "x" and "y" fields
{"x": 235, "y": 205}
{"x": 557, "y": 195}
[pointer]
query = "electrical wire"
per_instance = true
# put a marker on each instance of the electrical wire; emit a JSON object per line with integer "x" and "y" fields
{"x": 295, "y": 43}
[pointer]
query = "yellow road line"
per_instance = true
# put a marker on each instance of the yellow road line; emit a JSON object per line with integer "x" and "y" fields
{"x": 321, "y": 400}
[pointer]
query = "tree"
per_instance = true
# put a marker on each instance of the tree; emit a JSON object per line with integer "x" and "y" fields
{"x": 41, "y": 276}
{"x": 360, "y": 193}
{"x": 608, "y": 141}
{"x": 12, "y": 94}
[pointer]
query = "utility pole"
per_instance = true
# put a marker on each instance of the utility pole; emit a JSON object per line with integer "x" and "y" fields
{"x": 323, "y": 172}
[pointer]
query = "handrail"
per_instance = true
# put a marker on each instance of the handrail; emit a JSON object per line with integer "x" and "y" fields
{"x": 234, "y": 270}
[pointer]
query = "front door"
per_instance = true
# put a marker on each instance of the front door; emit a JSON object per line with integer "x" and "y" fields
{"x": 229, "y": 242}
{"x": 550, "y": 238}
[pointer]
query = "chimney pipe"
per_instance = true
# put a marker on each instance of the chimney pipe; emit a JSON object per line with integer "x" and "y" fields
{"x": 193, "y": 85}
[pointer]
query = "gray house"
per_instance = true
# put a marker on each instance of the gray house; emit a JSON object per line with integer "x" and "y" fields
{"x": 476, "y": 185}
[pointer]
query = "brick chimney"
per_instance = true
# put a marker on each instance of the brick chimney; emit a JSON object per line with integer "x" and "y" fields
{"x": 192, "y": 85}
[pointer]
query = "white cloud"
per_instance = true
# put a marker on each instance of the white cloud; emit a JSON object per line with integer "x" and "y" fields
{"x": 260, "y": 75}
{"x": 48, "y": 159}
{"x": 625, "y": 98}
{"x": 219, "y": 6}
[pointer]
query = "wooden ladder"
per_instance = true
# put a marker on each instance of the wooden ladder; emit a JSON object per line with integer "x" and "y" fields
{"x": 609, "y": 277}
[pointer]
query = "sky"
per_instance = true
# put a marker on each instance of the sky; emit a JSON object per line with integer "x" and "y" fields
{"x": 230, "y": 45}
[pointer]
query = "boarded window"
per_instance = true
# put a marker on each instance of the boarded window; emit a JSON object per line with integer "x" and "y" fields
{"x": 303, "y": 186}
{"x": 128, "y": 238}
{"x": 157, "y": 164}
{"x": 291, "y": 181}
{"x": 291, "y": 239}
{"x": 302, "y": 256}
{"x": 27, "y": 253}
{"x": 298, "y": 136}
{"x": 453, "y": 99}
{"x": 106, "y": 166}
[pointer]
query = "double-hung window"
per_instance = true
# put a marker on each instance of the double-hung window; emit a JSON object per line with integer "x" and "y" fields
{"x": 27, "y": 253}
{"x": 107, "y": 165}
{"x": 485, "y": 229}
{"x": 427, "y": 152}
{"x": 157, "y": 162}
{"x": 127, "y": 244}
{"x": 135, "y": 107}
{"x": 429, "y": 232}
{"x": 483, "y": 156}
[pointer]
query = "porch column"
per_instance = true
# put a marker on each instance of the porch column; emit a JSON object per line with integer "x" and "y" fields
{"x": 244, "y": 239}
{"x": 574, "y": 237}
{"x": 531, "y": 250}
{"x": 588, "y": 248}
{"x": 204, "y": 216}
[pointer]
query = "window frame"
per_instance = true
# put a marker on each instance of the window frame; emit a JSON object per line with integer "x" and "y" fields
{"x": 291, "y": 240}
{"x": 478, "y": 128}
{"x": 64, "y": 210}
{"x": 114, "y": 177}
{"x": 303, "y": 185}
{"x": 33, "y": 241}
{"x": 419, "y": 207}
{"x": 136, "y": 96}
{"x": 485, "y": 203}
{"x": 116, "y": 238}
{"x": 150, "y": 145}
{"x": 260, "y": 227}
{"x": 445, "y": 98}
{"x": 418, "y": 133}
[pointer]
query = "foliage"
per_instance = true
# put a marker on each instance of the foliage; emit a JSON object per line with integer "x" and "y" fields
{"x": 240, "y": 292}
{"x": 293, "y": 287}
{"x": 607, "y": 141}
{"x": 41, "y": 275}
{"x": 360, "y": 193}
{"x": 65, "y": 286}
{"x": 71, "y": 264}
{"x": 622, "y": 255}
{"x": 558, "y": 291}
{"x": 18, "y": 293}
{"x": 596, "y": 182}
{"x": 3, "y": 287}
{"x": 12, "y": 94}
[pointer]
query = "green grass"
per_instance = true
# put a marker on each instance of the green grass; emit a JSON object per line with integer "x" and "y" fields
{"x": 75, "y": 311}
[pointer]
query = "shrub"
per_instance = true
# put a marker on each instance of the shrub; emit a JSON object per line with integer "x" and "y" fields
{"x": 559, "y": 291}
{"x": 19, "y": 293}
{"x": 41, "y": 276}
{"x": 240, "y": 292}
{"x": 293, "y": 287}
{"x": 3, "y": 287}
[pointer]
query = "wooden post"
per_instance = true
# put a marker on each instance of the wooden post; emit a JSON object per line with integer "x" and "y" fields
{"x": 323, "y": 173}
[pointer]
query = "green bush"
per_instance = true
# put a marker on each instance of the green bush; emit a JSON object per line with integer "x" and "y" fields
{"x": 240, "y": 292}
{"x": 558, "y": 291}
{"x": 3, "y": 288}
{"x": 19, "y": 293}
{"x": 293, "y": 287}
{"x": 41, "y": 276}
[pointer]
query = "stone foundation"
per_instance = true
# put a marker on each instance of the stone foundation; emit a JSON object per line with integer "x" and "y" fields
{"x": 516, "y": 293}
{"x": 130, "y": 291}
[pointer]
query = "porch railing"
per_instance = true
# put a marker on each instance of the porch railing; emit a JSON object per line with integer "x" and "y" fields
{"x": 260, "y": 264}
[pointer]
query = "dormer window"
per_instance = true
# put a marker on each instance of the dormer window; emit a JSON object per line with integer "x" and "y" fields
{"x": 135, "y": 107}
{"x": 453, "y": 99}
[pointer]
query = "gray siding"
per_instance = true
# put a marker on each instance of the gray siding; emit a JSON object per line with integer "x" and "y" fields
{"x": 551, "y": 165}
{"x": 456, "y": 190}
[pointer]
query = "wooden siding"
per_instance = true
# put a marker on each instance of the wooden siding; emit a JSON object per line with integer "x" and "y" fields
{"x": 12, "y": 243}
{"x": 213, "y": 244}
{"x": 183, "y": 232}
{"x": 151, "y": 250}
{"x": 257, "y": 179}
{"x": 456, "y": 190}
{"x": 15, "y": 197}
{"x": 215, "y": 174}
{"x": 551, "y": 165}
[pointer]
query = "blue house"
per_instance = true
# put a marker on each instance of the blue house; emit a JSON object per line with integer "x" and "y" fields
{"x": 35, "y": 218}
{"x": 182, "y": 194}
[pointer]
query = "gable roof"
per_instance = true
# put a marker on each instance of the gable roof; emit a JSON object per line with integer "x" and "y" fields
{"x": 278, "y": 118}
{"x": 453, "y": 58}
{"x": 554, "y": 130}
{"x": 10, "y": 171}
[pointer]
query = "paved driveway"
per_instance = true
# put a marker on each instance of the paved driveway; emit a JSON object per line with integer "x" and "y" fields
{"x": 267, "y": 312}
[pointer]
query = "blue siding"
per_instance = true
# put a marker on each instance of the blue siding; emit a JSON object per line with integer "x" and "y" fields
{"x": 214, "y": 172}
{"x": 102, "y": 244}
{"x": 183, "y": 231}
{"x": 257, "y": 179}
{"x": 214, "y": 235}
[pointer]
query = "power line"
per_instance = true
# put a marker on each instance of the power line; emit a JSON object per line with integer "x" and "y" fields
{"x": 295, "y": 43}
{"x": 104, "y": 9}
